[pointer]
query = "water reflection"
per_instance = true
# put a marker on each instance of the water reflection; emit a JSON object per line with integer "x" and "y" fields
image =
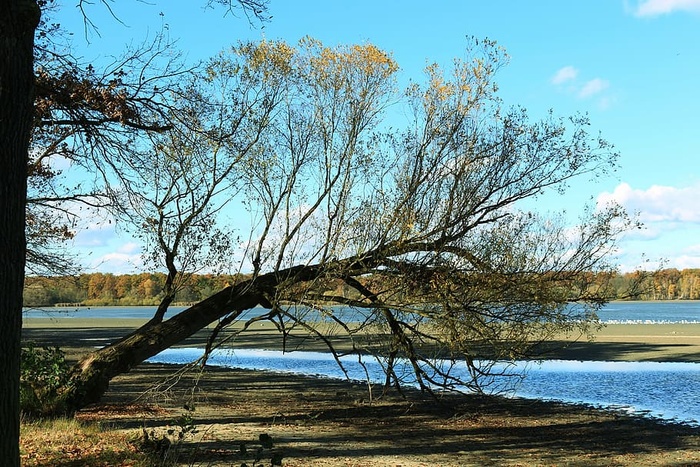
{"x": 663, "y": 390}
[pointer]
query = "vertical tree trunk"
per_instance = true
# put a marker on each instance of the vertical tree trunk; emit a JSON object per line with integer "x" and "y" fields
{"x": 18, "y": 21}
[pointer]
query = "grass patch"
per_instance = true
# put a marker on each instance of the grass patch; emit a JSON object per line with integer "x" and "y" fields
{"x": 65, "y": 442}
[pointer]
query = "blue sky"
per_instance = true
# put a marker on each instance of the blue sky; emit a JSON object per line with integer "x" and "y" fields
{"x": 632, "y": 65}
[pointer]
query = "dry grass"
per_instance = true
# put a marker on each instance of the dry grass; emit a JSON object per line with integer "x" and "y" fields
{"x": 69, "y": 442}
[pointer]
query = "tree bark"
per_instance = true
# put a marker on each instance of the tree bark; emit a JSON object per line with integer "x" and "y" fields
{"x": 91, "y": 376}
{"x": 18, "y": 21}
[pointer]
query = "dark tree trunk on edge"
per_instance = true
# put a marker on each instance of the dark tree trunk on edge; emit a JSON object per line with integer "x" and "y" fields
{"x": 18, "y": 21}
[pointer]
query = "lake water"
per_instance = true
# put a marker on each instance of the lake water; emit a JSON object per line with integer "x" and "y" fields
{"x": 663, "y": 390}
{"x": 615, "y": 312}
{"x": 651, "y": 312}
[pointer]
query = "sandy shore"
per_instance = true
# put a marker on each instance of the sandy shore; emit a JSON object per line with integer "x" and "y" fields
{"x": 646, "y": 342}
{"x": 615, "y": 342}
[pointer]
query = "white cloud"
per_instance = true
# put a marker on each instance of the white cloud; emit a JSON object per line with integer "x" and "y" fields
{"x": 605, "y": 102}
{"x": 671, "y": 217}
{"x": 662, "y": 7}
{"x": 118, "y": 259}
{"x": 95, "y": 234}
{"x": 119, "y": 262}
{"x": 593, "y": 87}
{"x": 130, "y": 248}
{"x": 686, "y": 262}
{"x": 662, "y": 254}
{"x": 566, "y": 79}
{"x": 657, "y": 203}
{"x": 565, "y": 74}
{"x": 99, "y": 247}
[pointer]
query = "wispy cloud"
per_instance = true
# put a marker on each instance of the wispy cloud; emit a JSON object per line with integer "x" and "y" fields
{"x": 651, "y": 8}
{"x": 565, "y": 74}
{"x": 130, "y": 248}
{"x": 566, "y": 80}
{"x": 118, "y": 262}
{"x": 593, "y": 87}
{"x": 103, "y": 249}
{"x": 687, "y": 261}
{"x": 95, "y": 234}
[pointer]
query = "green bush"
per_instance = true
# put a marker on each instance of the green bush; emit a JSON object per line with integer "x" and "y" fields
{"x": 44, "y": 371}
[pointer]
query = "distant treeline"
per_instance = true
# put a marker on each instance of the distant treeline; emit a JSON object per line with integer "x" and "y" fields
{"x": 672, "y": 284}
{"x": 98, "y": 289}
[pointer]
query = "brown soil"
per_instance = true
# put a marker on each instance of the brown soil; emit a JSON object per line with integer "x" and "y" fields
{"x": 319, "y": 422}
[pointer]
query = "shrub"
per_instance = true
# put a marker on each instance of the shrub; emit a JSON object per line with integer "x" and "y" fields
{"x": 44, "y": 371}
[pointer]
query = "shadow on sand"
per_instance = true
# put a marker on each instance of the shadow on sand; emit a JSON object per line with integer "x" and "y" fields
{"x": 312, "y": 419}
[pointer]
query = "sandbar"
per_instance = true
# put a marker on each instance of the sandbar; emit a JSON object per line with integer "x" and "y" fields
{"x": 614, "y": 342}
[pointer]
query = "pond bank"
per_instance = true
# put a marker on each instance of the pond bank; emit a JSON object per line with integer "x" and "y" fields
{"x": 676, "y": 342}
{"x": 322, "y": 422}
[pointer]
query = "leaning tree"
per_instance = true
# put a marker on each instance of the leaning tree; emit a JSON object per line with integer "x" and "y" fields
{"x": 403, "y": 205}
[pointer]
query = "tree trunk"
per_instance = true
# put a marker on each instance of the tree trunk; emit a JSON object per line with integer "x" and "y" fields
{"x": 91, "y": 376}
{"x": 18, "y": 21}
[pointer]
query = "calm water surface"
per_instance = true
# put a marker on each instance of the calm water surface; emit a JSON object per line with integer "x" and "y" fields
{"x": 651, "y": 312}
{"x": 662, "y": 390}
{"x": 615, "y": 312}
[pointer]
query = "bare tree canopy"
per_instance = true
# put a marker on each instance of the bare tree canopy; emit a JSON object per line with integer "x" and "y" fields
{"x": 412, "y": 218}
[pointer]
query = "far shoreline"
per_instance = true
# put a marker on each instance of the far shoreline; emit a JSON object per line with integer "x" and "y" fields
{"x": 667, "y": 342}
